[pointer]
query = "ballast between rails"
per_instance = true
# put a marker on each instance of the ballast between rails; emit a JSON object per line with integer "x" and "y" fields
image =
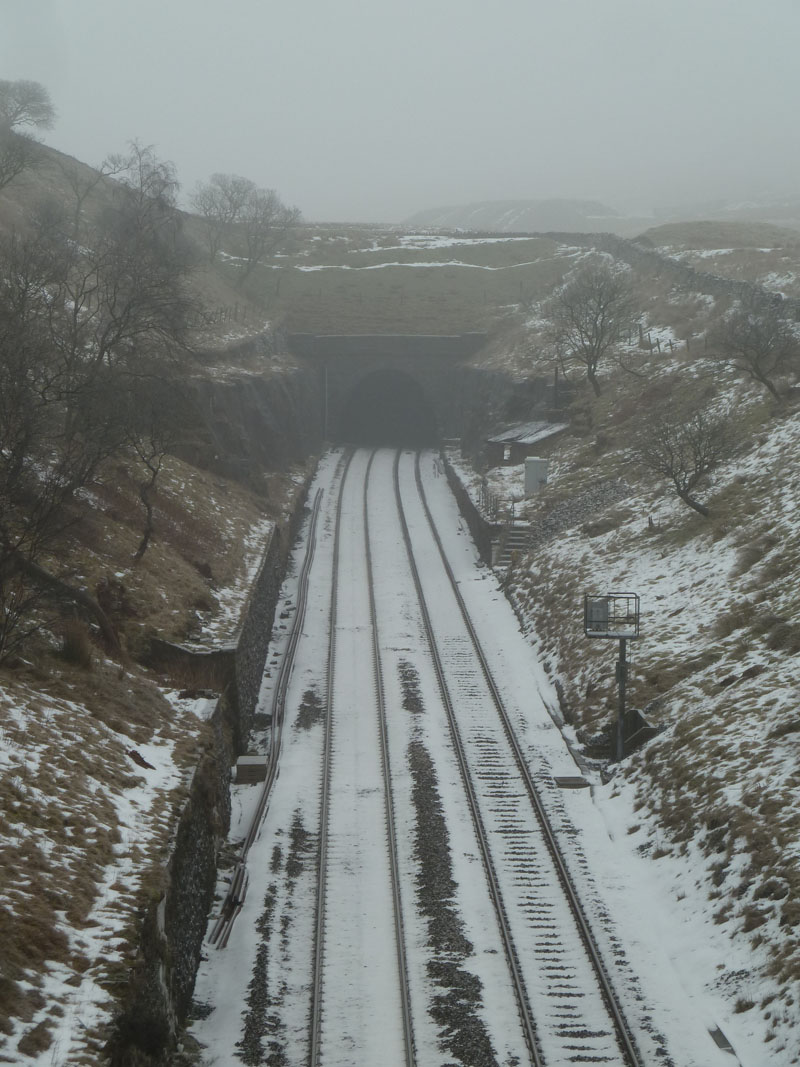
{"x": 623, "y": 1033}
{"x": 315, "y": 1038}
{"x": 512, "y": 959}
{"x": 315, "y": 1026}
{"x": 402, "y": 962}
{"x": 234, "y": 898}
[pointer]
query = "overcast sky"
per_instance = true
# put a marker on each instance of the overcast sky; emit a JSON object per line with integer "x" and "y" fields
{"x": 374, "y": 109}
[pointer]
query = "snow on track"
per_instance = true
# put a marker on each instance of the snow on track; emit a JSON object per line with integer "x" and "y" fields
{"x": 403, "y": 645}
{"x": 571, "y": 1019}
{"x": 665, "y": 1020}
{"x": 258, "y": 989}
{"x": 361, "y": 1020}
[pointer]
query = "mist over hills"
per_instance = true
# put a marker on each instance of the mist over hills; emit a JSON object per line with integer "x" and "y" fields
{"x": 593, "y": 216}
{"x": 521, "y": 216}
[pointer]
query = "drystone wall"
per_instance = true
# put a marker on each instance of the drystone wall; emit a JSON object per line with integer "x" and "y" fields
{"x": 173, "y": 927}
{"x": 685, "y": 277}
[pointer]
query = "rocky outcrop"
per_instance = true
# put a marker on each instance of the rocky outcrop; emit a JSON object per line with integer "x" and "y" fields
{"x": 252, "y": 410}
{"x": 248, "y": 424}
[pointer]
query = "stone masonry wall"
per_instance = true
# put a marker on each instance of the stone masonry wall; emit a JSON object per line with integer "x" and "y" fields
{"x": 174, "y": 923}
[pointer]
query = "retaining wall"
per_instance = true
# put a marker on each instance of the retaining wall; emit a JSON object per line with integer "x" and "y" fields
{"x": 159, "y": 994}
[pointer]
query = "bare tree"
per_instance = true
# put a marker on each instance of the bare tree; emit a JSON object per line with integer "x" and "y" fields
{"x": 685, "y": 446}
{"x": 256, "y": 219}
{"x": 88, "y": 336}
{"x": 129, "y": 293}
{"x": 266, "y": 223}
{"x": 18, "y": 152}
{"x": 23, "y": 104}
{"x": 83, "y": 181}
{"x": 41, "y": 462}
{"x": 220, "y": 202}
{"x": 590, "y": 314}
{"x": 759, "y": 342}
{"x": 159, "y": 406}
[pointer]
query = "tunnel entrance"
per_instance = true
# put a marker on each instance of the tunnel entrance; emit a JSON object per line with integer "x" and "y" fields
{"x": 387, "y": 408}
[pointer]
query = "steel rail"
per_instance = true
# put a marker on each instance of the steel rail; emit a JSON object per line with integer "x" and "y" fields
{"x": 285, "y": 674}
{"x": 394, "y": 863}
{"x": 234, "y": 898}
{"x": 512, "y": 959}
{"x": 624, "y": 1035}
{"x": 318, "y": 949}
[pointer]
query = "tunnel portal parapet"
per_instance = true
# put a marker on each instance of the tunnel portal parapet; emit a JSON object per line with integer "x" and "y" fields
{"x": 383, "y": 346}
{"x": 345, "y": 362}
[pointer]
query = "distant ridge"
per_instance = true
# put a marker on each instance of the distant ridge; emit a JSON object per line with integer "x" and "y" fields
{"x": 521, "y": 216}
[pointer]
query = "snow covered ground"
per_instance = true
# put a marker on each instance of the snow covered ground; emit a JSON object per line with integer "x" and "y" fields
{"x": 712, "y": 801}
{"x": 651, "y": 914}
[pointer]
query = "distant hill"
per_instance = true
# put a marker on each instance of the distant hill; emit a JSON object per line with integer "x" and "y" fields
{"x": 779, "y": 211}
{"x": 522, "y": 216}
{"x": 719, "y": 233}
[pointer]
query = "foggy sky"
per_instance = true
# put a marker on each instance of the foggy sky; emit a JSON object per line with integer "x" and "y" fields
{"x": 373, "y": 109}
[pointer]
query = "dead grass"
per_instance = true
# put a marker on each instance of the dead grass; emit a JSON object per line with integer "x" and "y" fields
{"x": 722, "y": 234}
{"x": 438, "y": 296}
{"x": 69, "y": 717}
{"x": 718, "y": 780}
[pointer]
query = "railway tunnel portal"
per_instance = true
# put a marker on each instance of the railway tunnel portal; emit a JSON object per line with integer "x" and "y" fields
{"x": 387, "y": 389}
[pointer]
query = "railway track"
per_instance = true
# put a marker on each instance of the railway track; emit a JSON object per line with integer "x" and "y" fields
{"x": 567, "y": 1005}
{"x": 318, "y": 983}
{"x": 565, "y": 1000}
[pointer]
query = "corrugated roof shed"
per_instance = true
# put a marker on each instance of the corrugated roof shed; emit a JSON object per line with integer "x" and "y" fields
{"x": 528, "y": 433}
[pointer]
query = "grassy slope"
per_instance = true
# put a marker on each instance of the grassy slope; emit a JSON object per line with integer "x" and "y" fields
{"x": 744, "y": 251}
{"x": 717, "y": 665}
{"x": 84, "y": 826}
{"x": 354, "y": 280}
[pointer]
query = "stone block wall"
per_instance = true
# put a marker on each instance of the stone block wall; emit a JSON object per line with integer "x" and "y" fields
{"x": 173, "y": 926}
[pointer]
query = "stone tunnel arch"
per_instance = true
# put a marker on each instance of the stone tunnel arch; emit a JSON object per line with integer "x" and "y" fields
{"x": 387, "y": 407}
{"x": 410, "y": 379}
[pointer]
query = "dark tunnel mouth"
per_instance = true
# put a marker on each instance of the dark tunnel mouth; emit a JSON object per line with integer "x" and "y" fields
{"x": 388, "y": 408}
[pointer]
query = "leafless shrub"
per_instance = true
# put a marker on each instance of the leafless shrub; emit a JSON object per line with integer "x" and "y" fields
{"x": 76, "y": 643}
{"x": 732, "y": 619}
{"x": 759, "y": 341}
{"x": 685, "y": 445}
{"x": 590, "y": 315}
